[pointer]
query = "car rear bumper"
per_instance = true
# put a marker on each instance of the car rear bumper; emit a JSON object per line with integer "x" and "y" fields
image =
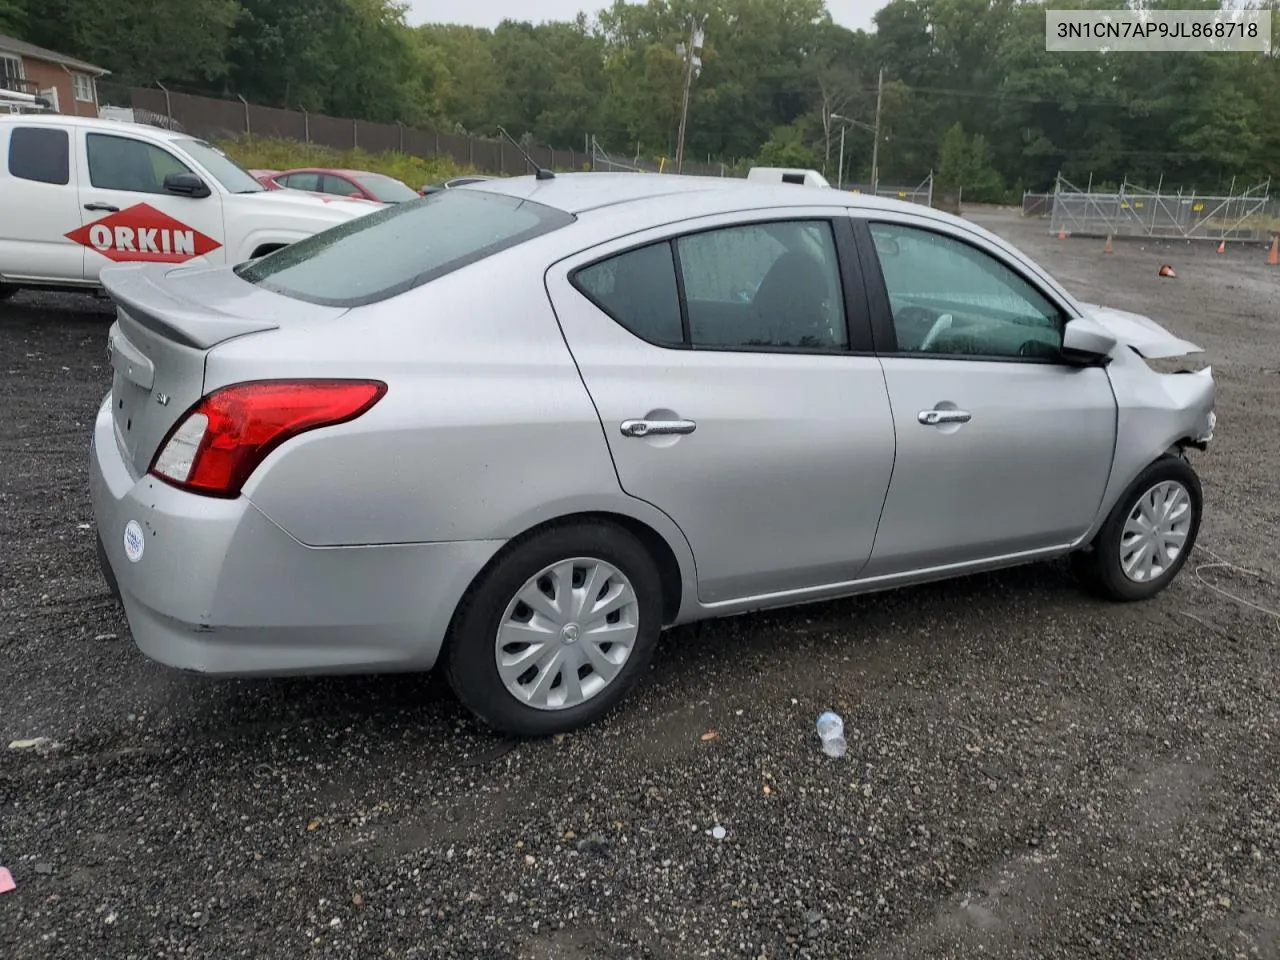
{"x": 218, "y": 588}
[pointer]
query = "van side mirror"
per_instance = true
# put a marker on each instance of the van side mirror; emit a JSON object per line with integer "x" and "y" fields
{"x": 1086, "y": 342}
{"x": 186, "y": 184}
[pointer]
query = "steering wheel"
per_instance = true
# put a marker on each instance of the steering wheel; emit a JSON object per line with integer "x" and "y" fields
{"x": 940, "y": 326}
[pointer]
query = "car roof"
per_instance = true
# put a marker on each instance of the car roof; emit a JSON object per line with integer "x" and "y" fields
{"x": 337, "y": 171}
{"x": 95, "y": 123}
{"x": 577, "y": 193}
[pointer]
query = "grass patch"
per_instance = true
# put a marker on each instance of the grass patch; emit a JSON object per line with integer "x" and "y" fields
{"x": 257, "y": 153}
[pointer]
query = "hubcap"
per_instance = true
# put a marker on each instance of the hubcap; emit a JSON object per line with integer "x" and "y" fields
{"x": 1156, "y": 532}
{"x": 567, "y": 633}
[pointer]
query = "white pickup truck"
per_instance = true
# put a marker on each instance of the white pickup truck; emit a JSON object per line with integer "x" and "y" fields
{"x": 77, "y": 194}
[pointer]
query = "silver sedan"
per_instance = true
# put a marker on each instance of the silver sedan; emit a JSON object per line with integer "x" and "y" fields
{"x": 519, "y": 427}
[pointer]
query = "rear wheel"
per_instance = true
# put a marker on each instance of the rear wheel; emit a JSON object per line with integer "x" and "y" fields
{"x": 558, "y": 631}
{"x": 1147, "y": 537}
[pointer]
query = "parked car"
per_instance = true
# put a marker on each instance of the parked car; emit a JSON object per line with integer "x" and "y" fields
{"x": 453, "y": 182}
{"x": 353, "y": 184}
{"x": 266, "y": 178}
{"x": 305, "y": 468}
{"x": 81, "y": 193}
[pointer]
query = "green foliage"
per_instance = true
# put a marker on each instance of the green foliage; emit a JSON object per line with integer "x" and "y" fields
{"x": 786, "y": 148}
{"x": 965, "y": 161}
{"x": 258, "y": 153}
{"x": 776, "y": 77}
{"x": 13, "y": 16}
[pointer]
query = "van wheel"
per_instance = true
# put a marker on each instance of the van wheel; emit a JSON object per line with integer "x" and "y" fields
{"x": 1148, "y": 535}
{"x": 554, "y": 635}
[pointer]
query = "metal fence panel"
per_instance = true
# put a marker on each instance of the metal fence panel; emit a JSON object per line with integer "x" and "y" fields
{"x": 1133, "y": 211}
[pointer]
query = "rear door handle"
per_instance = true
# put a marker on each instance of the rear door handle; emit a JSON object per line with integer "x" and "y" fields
{"x": 657, "y": 428}
{"x": 931, "y": 418}
{"x": 102, "y": 207}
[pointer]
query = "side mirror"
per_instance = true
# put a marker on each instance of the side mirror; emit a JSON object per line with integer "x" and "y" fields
{"x": 186, "y": 185}
{"x": 1086, "y": 342}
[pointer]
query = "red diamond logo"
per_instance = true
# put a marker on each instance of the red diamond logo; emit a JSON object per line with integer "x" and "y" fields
{"x": 143, "y": 233}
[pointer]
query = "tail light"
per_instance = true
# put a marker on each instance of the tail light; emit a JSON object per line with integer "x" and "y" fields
{"x": 220, "y": 442}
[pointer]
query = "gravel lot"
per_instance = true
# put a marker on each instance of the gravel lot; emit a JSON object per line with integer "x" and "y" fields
{"x": 1031, "y": 773}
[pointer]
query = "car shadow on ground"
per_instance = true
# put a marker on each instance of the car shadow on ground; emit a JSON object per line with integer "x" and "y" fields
{"x": 776, "y": 647}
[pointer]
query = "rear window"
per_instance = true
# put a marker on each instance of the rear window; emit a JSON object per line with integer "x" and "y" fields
{"x": 385, "y": 253}
{"x": 386, "y": 189}
{"x": 42, "y": 154}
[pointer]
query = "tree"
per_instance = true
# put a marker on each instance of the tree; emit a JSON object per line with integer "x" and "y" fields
{"x": 13, "y": 16}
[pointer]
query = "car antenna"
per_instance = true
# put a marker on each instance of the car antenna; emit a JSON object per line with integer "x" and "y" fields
{"x": 539, "y": 173}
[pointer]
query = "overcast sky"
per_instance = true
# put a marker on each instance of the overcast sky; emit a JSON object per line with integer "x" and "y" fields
{"x": 489, "y": 13}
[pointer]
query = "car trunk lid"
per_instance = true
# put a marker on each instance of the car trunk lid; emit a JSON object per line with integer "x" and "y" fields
{"x": 167, "y": 321}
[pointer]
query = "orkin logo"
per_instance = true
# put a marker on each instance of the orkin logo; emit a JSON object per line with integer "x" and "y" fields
{"x": 142, "y": 232}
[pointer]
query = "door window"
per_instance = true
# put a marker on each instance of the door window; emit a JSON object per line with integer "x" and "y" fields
{"x": 339, "y": 186}
{"x": 42, "y": 154}
{"x": 951, "y": 299}
{"x": 758, "y": 286}
{"x": 300, "y": 181}
{"x": 764, "y": 285}
{"x": 122, "y": 163}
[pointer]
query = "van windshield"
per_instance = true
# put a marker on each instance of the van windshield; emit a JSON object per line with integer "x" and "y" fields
{"x": 381, "y": 254}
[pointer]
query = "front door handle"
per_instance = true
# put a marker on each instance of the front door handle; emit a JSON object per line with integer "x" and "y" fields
{"x": 102, "y": 207}
{"x": 931, "y": 418}
{"x": 657, "y": 428}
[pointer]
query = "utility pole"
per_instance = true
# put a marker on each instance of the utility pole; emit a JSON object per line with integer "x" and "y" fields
{"x": 691, "y": 61}
{"x": 875, "y": 149}
{"x": 840, "y": 178}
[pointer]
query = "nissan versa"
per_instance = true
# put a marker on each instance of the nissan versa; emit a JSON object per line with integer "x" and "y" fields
{"x": 517, "y": 428}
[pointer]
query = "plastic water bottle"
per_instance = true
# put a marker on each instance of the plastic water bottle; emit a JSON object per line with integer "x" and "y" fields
{"x": 831, "y": 733}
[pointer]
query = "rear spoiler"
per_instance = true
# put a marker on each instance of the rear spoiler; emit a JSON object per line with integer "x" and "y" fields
{"x": 139, "y": 290}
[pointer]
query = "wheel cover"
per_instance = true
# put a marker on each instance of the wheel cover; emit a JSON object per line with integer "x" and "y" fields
{"x": 567, "y": 633}
{"x": 1156, "y": 532}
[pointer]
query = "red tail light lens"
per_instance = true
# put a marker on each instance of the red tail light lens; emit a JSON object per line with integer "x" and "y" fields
{"x": 220, "y": 442}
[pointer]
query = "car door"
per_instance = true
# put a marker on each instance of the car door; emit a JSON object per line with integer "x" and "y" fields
{"x": 731, "y": 366}
{"x": 39, "y": 203}
{"x": 1003, "y": 448}
{"x": 128, "y": 215}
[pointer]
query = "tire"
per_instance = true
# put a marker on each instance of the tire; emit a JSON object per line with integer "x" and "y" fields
{"x": 546, "y": 699}
{"x": 7, "y": 291}
{"x": 1102, "y": 569}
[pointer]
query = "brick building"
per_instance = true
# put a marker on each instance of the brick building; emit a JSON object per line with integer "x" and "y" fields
{"x": 70, "y": 85}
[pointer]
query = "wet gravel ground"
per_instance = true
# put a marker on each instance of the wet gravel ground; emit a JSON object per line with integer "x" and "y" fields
{"x": 1031, "y": 773}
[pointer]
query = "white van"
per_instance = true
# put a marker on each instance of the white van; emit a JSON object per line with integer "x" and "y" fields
{"x": 804, "y": 178}
{"x": 80, "y": 193}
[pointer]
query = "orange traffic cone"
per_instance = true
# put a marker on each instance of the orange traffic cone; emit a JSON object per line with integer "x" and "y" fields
{"x": 1167, "y": 271}
{"x": 1107, "y": 248}
{"x": 1222, "y": 246}
{"x": 1273, "y": 258}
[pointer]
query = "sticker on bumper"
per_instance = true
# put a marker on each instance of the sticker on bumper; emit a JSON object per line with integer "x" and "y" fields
{"x": 134, "y": 541}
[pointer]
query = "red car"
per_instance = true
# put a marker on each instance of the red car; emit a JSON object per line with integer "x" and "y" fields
{"x": 352, "y": 184}
{"x": 266, "y": 178}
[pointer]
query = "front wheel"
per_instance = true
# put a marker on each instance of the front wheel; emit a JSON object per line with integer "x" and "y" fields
{"x": 556, "y": 633}
{"x": 1148, "y": 535}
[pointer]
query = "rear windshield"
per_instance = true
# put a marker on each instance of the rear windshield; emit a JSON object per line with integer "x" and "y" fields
{"x": 386, "y": 189}
{"x": 397, "y": 248}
